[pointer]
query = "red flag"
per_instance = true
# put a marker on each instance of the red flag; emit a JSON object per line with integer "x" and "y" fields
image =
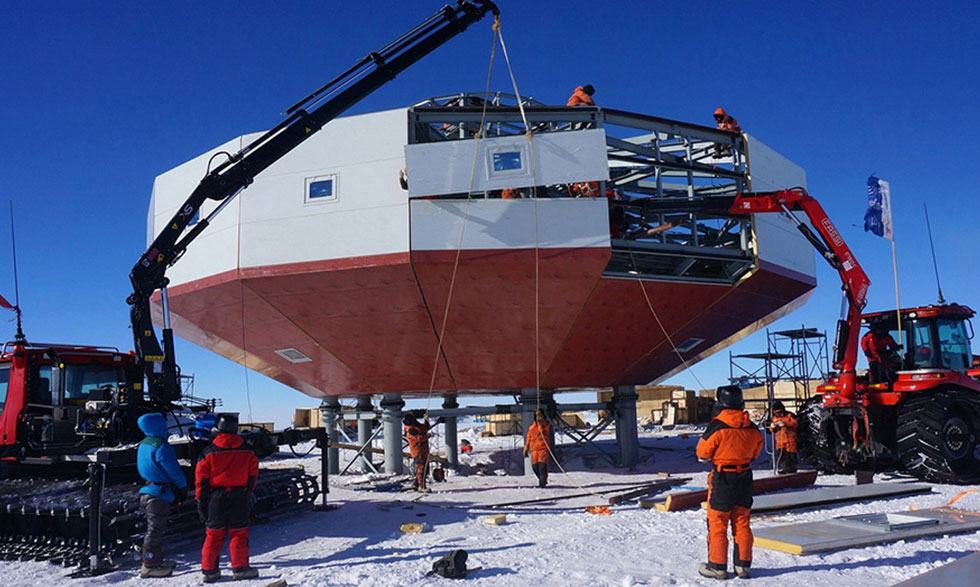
{"x": 5, "y": 304}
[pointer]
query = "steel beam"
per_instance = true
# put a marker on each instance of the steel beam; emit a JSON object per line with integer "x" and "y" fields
{"x": 329, "y": 410}
{"x": 391, "y": 409}
{"x": 364, "y": 426}
{"x": 627, "y": 439}
{"x": 452, "y": 445}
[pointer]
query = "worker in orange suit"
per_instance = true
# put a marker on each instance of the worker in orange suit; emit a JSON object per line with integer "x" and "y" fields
{"x": 582, "y": 96}
{"x": 880, "y": 349}
{"x": 783, "y": 427}
{"x": 725, "y": 122}
{"x": 731, "y": 442}
{"x": 537, "y": 445}
{"x": 418, "y": 434}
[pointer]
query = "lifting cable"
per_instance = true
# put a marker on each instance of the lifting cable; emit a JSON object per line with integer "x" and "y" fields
{"x": 537, "y": 273}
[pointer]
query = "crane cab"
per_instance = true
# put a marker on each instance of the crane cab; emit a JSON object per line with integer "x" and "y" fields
{"x": 933, "y": 338}
{"x": 64, "y": 399}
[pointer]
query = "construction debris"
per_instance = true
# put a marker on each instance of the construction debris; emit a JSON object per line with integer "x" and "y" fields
{"x": 767, "y": 504}
{"x": 648, "y": 488}
{"x": 692, "y": 499}
{"x": 864, "y": 529}
{"x": 413, "y": 528}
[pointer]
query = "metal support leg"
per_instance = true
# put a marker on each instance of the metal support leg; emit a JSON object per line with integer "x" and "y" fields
{"x": 391, "y": 416}
{"x": 330, "y": 411}
{"x": 452, "y": 438}
{"x": 627, "y": 439}
{"x": 529, "y": 397}
{"x": 364, "y": 425}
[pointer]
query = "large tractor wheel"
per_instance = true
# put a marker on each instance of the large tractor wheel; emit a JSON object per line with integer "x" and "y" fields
{"x": 938, "y": 436}
{"x": 814, "y": 439}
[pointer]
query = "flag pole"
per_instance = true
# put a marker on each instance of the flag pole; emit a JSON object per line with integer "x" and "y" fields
{"x": 898, "y": 304}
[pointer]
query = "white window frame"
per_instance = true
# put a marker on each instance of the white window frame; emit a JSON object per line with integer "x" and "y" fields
{"x": 331, "y": 177}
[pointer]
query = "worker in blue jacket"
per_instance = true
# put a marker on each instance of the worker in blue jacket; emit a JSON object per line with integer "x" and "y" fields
{"x": 166, "y": 486}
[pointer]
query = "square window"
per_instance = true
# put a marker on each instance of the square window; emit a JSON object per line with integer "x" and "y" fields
{"x": 507, "y": 161}
{"x": 322, "y": 188}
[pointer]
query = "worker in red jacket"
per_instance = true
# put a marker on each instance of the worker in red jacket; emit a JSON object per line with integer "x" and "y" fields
{"x": 783, "y": 427}
{"x": 538, "y": 446}
{"x": 226, "y": 476}
{"x": 731, "y": 442}
{"x": 880, "y": 349}
{"x": 582, "y": 96}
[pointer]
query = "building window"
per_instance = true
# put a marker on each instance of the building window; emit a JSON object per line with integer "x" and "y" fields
{"x": 322, "y": 188}
{"x": 508, "y": 161}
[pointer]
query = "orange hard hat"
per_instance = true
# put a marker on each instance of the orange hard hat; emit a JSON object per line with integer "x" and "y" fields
{"x": 721, "y": 112}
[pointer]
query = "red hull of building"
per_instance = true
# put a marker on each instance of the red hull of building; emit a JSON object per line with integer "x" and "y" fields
{"x": 372, "y": 324}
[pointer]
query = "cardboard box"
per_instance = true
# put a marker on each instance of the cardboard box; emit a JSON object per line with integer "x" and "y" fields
{"x": 270, "y": 426}
{"x": 307, "y": 418}
{"x": 574, "y": 420}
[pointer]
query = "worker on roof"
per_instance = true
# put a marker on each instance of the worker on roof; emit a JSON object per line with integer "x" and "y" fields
{"x": 731, "y": 442}
{"x": 725, "y": 122}
{"x": 166, "y": 486}
{"x": 582, "y": 96}
{"x": 538, "y": 445}
{"x": 226, "y": 477}
{"x": 783, "y": 427}
{"x": 881, "y": 351}
{"x": 418, "y": 434}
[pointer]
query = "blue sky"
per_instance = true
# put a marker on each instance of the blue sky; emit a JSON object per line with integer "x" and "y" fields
{"x": 98, "y": 98}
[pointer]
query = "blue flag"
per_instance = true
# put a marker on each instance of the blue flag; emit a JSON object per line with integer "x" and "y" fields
{"x": 878, "y": 218}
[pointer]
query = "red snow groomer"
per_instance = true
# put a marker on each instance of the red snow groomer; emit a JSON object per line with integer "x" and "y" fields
{"x": 924, "y": 418}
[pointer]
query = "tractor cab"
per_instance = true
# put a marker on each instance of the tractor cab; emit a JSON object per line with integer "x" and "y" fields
{"x": 61, "y": 399}
{"x": 932, "y": 337}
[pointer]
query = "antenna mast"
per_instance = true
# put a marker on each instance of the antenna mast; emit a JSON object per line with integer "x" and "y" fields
{"x": 19, "y": 336}
{"x": 935, "y": 267}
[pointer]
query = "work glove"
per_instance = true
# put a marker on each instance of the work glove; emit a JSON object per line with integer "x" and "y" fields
{"x": 202, "y": 506}
{"x": 180, "y": 495}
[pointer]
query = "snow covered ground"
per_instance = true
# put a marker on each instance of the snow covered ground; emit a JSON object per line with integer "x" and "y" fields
{"x": 554, "y": 543}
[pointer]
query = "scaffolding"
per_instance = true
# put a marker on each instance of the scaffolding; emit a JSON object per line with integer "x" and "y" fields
{"x": 794, "y": 361}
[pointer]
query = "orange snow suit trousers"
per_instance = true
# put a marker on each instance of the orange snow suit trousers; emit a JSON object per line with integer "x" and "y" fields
{"x": 729, "y": 503}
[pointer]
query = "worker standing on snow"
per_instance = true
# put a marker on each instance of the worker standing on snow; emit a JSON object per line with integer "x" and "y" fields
{"x": 226, "y": 477}
{"x": 166, "y": 486}
{"x": 537, "y": 445}
{"x": 582, "y": 96}
{"x": 783, "y": 428}
{"x": 731, "y": 442}
{"x": 725, "y": 122}
{"x": 418, "y": 434}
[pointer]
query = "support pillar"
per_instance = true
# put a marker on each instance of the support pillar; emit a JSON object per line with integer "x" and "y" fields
{"x": 627, "y": 438}
{"x": 391, "y": 417}
{"x": 528, "y": 400}
{"x": 365, "y": 422}
{"x": 329, "y": 412}
{"x": 452, "y": 440}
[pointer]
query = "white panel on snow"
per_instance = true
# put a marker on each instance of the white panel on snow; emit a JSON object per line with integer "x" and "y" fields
{"x": 509, "y": 224}
{"x": 459, "y": 167}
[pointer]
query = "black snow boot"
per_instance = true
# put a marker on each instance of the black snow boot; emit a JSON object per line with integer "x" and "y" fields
{"x": 212, "y": 576}
{"x": 242, "y": 573}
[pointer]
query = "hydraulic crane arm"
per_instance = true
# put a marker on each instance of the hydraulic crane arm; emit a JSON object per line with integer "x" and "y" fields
{"x": 224, "y": 182}
{"x": 830, "y": 244}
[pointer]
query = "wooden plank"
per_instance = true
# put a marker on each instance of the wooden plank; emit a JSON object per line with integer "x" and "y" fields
{"x": 846, "y": 532}
{"x": 831, "y": 495}
{"x": 356, "y": 447}
{"x": 963, "y": 571}
{"x": 692, "y": 499}
{"x": 664, "y": 484}
{"x": 655, "y": 487}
